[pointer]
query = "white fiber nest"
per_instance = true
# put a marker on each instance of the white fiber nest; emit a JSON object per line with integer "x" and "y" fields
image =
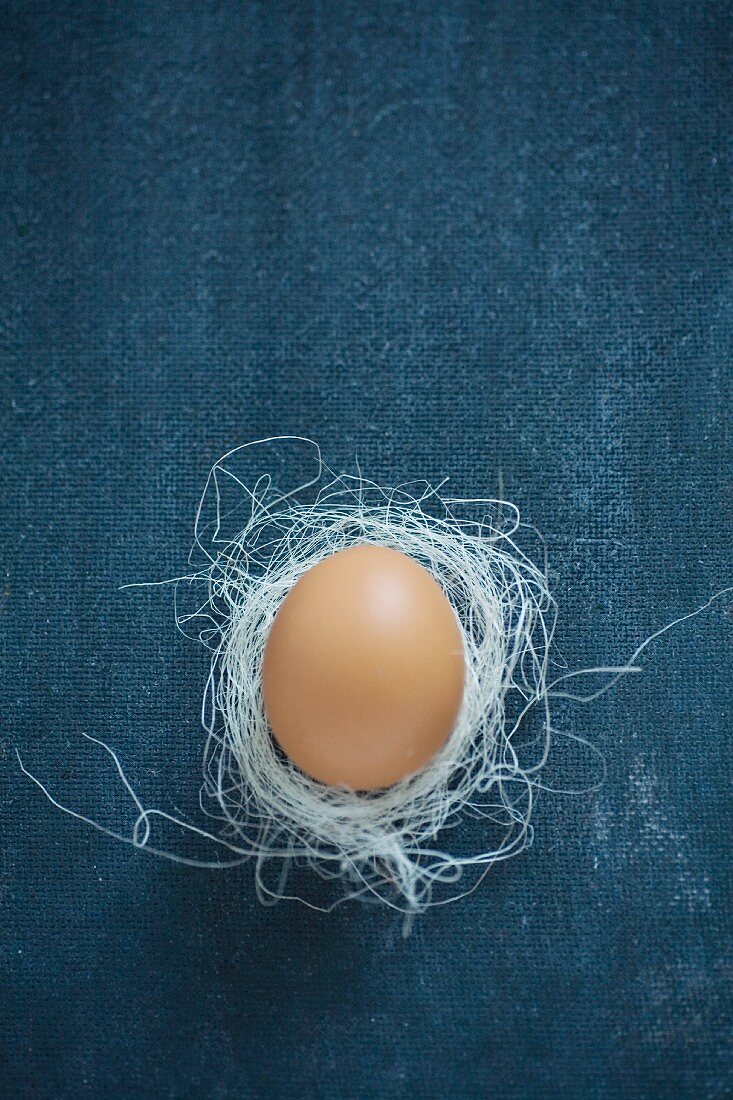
{"x": 257, "y": 538}
{"x": 384, "y": 843}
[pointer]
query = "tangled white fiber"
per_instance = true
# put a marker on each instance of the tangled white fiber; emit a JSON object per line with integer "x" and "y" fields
{"x": 384, "y": 844}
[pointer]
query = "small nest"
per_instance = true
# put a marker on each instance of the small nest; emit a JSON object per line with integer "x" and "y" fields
{"x": 382, "y": 844}
{"x": 253, "y": 540}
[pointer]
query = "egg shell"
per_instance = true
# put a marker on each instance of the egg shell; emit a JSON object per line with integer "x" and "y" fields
{"x": 363, "y": 669}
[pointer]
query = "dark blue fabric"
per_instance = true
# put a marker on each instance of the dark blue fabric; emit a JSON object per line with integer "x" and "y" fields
{"x": 489, "y": 241}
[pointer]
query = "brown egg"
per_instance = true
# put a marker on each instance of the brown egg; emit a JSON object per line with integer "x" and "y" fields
{"x": 363, "y": 669}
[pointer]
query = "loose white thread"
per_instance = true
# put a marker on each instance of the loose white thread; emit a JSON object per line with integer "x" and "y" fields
{"x": 384, "y": 845}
